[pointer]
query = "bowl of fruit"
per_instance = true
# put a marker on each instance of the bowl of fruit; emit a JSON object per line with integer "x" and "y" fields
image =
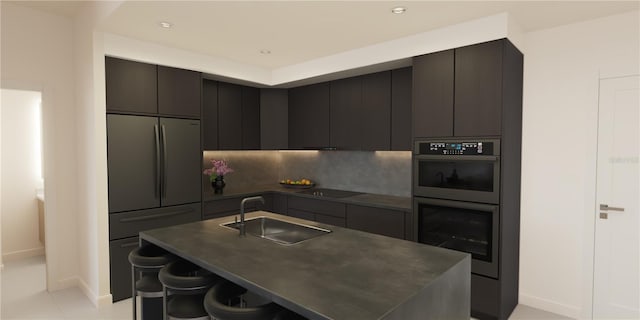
{"x": 300, "y": 184}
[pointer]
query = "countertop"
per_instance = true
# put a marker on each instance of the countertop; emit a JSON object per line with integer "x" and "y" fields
{"x": 367, "y": 199}
{"x": 346, "y": 274}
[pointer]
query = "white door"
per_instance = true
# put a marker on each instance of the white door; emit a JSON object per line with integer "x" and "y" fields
{"x": 616, "y": 290}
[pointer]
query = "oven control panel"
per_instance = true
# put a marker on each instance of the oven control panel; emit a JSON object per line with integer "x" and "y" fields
{"x": 457, "y": 148}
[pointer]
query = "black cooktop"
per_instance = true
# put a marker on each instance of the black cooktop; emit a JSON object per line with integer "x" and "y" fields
{"x": 329, "y": 193}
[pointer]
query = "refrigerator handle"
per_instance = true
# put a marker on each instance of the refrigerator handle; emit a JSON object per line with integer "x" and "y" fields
{"x": 157, "y": 184}
{"x": 164, "y": 162}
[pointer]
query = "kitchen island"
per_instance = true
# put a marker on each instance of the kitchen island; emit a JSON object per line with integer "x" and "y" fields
{"x": 345, "y": 274}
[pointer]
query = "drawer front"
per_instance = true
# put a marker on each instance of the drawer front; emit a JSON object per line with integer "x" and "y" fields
{"x": 120, "y": 267}
{"x": 376, "y": 220}
{"x": 129, "y": 224}
{"x": 484, "y": 297}
{"x": 334, "y": 221}
{"x": 328, "y": 208}
{"x": 300, "y": 214}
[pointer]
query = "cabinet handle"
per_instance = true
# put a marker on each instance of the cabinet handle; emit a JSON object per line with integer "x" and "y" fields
{"x": 164, "y": 162}
{"x": 156, "y": 216}
{"x": 157, "y": 184}
{"x": 129, "y": 244}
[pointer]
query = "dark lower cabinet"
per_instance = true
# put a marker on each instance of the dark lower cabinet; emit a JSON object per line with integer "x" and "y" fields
{"x": 376, "y": 220}
{"x": 323, "y": 211}
{"x": 230, "y": 206}
{"x": 120, "y": 267}
{"x": 279, "y": 203}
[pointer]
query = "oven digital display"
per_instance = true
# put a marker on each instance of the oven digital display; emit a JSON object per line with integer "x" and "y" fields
{"x": 456, "y": 148}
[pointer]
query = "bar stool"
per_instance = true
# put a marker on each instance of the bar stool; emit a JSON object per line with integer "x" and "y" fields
{"x": 216, "y": 303}
{"x": 147, "y": 260}
{"x": 185, "y": 285}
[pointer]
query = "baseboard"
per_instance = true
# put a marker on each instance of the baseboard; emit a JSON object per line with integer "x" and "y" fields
{"x": 22, "y": 254}
{"x": 550, "y": 306}
{"x": 98, "y": 301}
{"x": 64, "y": 284}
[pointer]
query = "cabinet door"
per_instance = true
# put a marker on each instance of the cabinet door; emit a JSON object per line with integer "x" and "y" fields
{"x": 133, "y": 160}
{"x": 433, "y": 94}
{"x": 229, "y": 116}
{"x": 210, "y": 114}
{"x": 179, "y": 92}
{"x": 250, "y": 118}
{"x": 375, "y": 115}
{"x": 309, "y": 116}
{"x": 120, "y": 267}
{"x": 478, "y": 89}
{"x": 401, "y": 109}
{"x": 181, "y": 160}
{"x": 346, "y": 113}
{"x": 131, "y": 86}
{"x": 279, "y": 203}
{"x": 130, "y": 223}
{"x": 376, "y": 220}
{"x": 274, "y": 119}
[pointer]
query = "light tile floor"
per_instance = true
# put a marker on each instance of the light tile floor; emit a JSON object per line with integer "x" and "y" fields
{"x": 24, "y": 296}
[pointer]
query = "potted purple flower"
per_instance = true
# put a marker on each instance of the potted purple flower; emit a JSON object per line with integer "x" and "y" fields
{"x": 216, "y": 174}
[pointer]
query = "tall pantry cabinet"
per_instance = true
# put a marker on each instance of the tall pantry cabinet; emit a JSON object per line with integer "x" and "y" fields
{"x": 154, "y": 156}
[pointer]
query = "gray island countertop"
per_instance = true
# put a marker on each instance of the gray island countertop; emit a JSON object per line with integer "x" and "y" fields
{"x": 346, "y": 274}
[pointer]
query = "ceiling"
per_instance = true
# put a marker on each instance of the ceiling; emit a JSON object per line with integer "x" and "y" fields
{"x": 295, "y": 32}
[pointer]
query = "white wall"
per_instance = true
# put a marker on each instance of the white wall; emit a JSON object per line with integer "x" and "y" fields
{"x": 562, "y": 67}
{"x": 93, "y": 222}
{"x": 37, "y": 54}
{"x": 21, "y": 173}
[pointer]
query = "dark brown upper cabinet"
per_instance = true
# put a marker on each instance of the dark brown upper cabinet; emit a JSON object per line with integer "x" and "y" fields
{"x": 346, "y": 112}
{"x": 361, "y": 112}
{"x": 209, "y": 115}
{"x": 466, "y": 91}
{"x": 401, "y": 109}
{"x": 131, "y": 87}
{"x": 179, "y": 92}
{"x": 146, "y": 89}
{"x": 433, "y": 94}
{"x": 229, "y": 116}
{"x": 250, "y": 118}
{"x": 309, "y": 116}
{"x": 478, "y": 89}
{"x": 375, "y": 115}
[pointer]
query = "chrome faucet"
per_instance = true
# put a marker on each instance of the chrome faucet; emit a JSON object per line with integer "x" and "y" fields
{"x": 245, "y": 200}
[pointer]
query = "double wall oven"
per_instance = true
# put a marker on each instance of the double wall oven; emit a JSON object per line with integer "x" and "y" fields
{"x": 456, "y": 188}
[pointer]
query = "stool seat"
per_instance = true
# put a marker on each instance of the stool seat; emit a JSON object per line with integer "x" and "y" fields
{"x": 185, "y": 285}
{"x": 217, "y": 297}
{"x": 146, "y": 262}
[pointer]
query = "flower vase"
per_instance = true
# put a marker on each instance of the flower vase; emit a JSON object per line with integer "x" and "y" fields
{"x": 218, "y": 184}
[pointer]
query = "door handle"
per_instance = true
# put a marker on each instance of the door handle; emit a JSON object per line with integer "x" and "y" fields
{"x": 164, "y": 163}
{"x": 606, "y": 207}
{"x": 157, "y": 185}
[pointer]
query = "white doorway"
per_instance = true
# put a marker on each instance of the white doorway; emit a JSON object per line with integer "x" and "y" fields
{"x": 616, "y": 282}
{"x": 22, "y": 177}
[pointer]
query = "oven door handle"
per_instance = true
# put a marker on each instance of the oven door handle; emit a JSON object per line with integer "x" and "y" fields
{"x": 456, "y": 204}
{"x": 457, "y": 157}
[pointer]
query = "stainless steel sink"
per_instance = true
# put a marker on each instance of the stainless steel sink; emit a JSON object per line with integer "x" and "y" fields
{"x": 279, "y": 231}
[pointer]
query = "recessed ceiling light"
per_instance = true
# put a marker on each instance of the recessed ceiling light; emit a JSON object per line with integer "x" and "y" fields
{"x": 265, "y": 51}
{"x": 165, "y": 24}
{"x": 398, "y": 10}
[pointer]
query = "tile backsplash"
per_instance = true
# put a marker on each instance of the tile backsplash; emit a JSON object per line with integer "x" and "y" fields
{"x": 381, "y": 172}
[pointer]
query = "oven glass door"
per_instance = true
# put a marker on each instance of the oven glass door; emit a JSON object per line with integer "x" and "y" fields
{"x": 461, "y": 226}
{"x": 466, "y": 178}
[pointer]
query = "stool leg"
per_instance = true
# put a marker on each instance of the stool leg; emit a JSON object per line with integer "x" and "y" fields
{"x": 164, "y": 302}
{"x": 133, "y": 291}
